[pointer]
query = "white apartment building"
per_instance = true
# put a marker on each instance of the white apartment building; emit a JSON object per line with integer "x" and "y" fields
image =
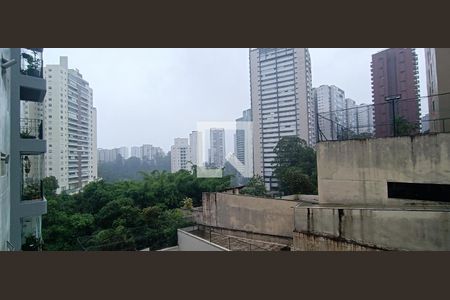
{"x": 331, "y": 108}
{"x": 196, "y": 145}
{"x": 281, "y": 103}
{"x": 350, "y": 114}
{"x": 217, "y": 147}
{"x": 180, "y": 155}
{"x": 136, "y": 151}
{"x": 70, "y": 127}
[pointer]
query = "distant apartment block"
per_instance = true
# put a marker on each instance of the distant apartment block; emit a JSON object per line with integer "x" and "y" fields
{"x": 196, "y": 148}
{"x": 217, "y": 147}
{"x": 437, "y": 62}
{"x": 395, "y": 75}
{"x": 22, "y": 147}
{"x": 350, "y": 114}
{"x": 136, "y": 152}
{"x": 109, "y": 155}
{"x": 281, "y": 103}
{"x": 244, "y": 142}
{"x": 332, "y": 116}
{"x": 180, "y": 155}
{"x": 426, "y": 123}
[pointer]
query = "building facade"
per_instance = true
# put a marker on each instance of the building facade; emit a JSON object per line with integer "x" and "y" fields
{"x": 350, "y": 114}
{"x": 437, "y": 62}
{"x": 331, "y": 108}
{"x": 395, "y": 90}
{"x": 364, "y": 119}
{"x": 70, "y": 126}
{"x": 217, "y": 147}
{"x": 281, "y": 103}
{"x": 136, "y": 151}
{"x": 22, "y": 146}
{"x": 196, "y": 145}
{"x": 244, "y": 142}
{"x": 180, "y": 155}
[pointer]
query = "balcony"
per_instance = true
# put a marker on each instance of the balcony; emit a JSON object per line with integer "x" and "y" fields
{"x": 32, "y": 174}
{"x": 31, "y": 233}
{"x": 31, "y": 62}
{"x": 31, "y": 129}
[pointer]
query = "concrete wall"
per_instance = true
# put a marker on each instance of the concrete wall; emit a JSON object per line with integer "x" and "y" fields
{"x": 190, "y": 242}
{"x": 357, "y": 171}
{"x": 308, "y": 242}
{"x": 382, "y": 228}
{"x": 5, "y": 149}
{"x": 251, "y": 214}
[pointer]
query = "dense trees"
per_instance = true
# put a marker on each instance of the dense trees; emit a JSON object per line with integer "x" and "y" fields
{"x": 125, "y": 215}
{"x": 130, "y": 168}
{"x": 295, "y": 166}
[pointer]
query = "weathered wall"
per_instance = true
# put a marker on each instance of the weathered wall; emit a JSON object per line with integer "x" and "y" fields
{"x": 384, "y": 228}
{"x": 357, "y": 171}
{"x": 252, "y": 214}
{"x": 190, "y": 242}
{"x": 307, "y": 242}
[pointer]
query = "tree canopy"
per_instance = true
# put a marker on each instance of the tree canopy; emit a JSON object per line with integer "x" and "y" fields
{"x": 295, "y": 166}
{"x": 125, "y": 215}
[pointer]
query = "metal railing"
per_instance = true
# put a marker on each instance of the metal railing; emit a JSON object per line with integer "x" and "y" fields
{"x": 31, "y": 128}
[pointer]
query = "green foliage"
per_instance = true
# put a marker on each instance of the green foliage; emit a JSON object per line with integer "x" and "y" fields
{"x": 295, "y": 166}
{"x": 50, "y": 185}
{"x": 255, "y": 187}
{"x": 404, "y": 127}
{"x": 125, "y": 215}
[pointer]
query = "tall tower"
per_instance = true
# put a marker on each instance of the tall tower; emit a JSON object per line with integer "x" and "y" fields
{"x": 70, "y": 126}
{"x": 180, "y": 155}
{"x": 281, "y": 102}
{"x": 217, "y": 147}
{"x": 196, "y": 145}
{"x": 395, "y": 74}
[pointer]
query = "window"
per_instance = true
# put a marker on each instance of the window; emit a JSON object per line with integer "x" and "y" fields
{"x": 419, "y": 191}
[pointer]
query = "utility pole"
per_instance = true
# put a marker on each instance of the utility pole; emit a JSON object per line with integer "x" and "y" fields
{"x": 393, "y": 100}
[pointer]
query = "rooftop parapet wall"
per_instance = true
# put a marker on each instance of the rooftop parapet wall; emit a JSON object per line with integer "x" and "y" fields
{"x": 251, "y": 214}
{"x": 372, "y": 228}
{"x": 357, "y": 171}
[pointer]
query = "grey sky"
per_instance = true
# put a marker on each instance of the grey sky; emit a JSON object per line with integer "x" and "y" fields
{"x": 154, "y": 95}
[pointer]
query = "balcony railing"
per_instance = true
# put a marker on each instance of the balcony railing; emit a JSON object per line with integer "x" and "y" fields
{"x": 32, "y": 184}
{"x": 31, "y": 62}
{"x": 31, "y": 129}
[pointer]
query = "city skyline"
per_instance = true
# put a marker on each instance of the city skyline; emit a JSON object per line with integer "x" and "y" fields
{"x": 183, "y": 84}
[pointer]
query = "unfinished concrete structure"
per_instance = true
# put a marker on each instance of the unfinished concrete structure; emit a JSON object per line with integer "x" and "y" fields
{"x": 375, "y": 194}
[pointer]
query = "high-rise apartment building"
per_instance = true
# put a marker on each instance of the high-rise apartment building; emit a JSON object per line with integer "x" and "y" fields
{"x": 437, "y": 62}
{"x": 108, "y": 155}
{"x": 350, "y": 114}
{"x": 22, "y": 146}
{"x": 196, "y": 145}
{"x": 281, "y": 103}
{"x": 70, "y": 127}
{"x": 244, "y": 142}
{"x": 332, "y": 114}
{"x": 217, "y": 147}
{"x": 136, "y": 151}
{"x": 395, "y": 89}
{"x": 180, "y": 155}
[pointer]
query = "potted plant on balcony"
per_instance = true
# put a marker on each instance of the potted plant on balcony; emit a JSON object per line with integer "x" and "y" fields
{"x": 33, "y": 64}
{"x": 26, "y": 134}
{"x": 32, "y": 243}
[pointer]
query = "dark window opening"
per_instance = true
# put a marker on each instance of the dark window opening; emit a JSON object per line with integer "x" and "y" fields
{"x": 419, "y": 191}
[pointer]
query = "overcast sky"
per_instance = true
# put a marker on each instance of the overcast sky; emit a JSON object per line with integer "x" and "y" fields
{"x": 151, "y": 96}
